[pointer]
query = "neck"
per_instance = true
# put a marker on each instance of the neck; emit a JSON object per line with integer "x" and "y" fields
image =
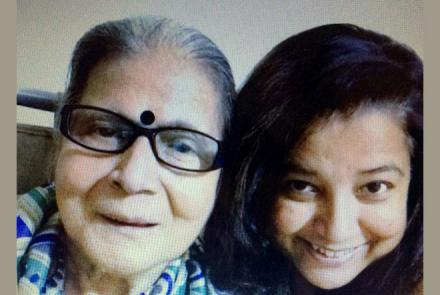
{"x": 82, "y": 276}
{"x": 302, "y": 286}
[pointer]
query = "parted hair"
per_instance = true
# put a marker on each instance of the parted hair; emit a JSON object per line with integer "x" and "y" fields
{"x": 142, "y": 35}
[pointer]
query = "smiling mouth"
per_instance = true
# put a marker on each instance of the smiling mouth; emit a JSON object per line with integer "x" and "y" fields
{"x": 118, "y": 221}
{"x": 330, "y": 253}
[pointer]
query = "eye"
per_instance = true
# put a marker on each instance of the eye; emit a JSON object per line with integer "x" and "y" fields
{"x": 107, "y": 132}
{"x": 301, "y": 186}
{"x": 300, "y": 190}
{"x": 181, "y": 146}
{"x": 376, "y": 189}
{"x": 97, "y": 128}
{"x": 113, "y": 133}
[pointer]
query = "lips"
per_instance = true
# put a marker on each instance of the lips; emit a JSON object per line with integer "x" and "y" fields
{"x": 333, "y": 256}
{"x": 119, "y": 220}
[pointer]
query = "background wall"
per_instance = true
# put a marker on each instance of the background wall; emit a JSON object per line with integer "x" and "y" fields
{"x": 245, "y": 30}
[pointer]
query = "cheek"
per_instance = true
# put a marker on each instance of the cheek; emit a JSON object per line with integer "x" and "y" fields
{"x": 77, "y": 171}
{"x": 290, "y": 217}
{"x": 385, "y": 221}
{"x": 192, "y": 198}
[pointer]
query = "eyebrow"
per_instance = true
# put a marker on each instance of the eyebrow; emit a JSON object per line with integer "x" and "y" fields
{"x": 384, "y": 168}
{"x": 297, "y": 168}
{"x": 293, "y": 167}
{"x": 180, "y": 124}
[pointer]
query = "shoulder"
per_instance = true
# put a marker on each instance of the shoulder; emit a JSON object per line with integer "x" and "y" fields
{"x": 37, "y": 201}
{"x": 35, "y": 209}
{"x": 198, "y": 269}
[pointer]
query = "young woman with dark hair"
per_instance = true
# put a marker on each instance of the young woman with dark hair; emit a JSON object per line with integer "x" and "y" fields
{"x": 323, "y": 182}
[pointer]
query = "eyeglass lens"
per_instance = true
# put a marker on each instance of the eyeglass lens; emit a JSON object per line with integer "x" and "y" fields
{"x": 99, "y": 130}
{"x": 107, "y": 132}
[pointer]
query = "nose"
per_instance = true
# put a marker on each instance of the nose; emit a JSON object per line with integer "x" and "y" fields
{"x": 339, "y": 221}
{"x": 137, "y": 170}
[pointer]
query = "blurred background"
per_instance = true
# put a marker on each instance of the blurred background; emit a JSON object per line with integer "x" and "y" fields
{"x": 245, "y": 30}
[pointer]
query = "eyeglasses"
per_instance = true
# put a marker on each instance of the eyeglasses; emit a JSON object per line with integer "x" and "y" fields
{"x": 102, "y": 130}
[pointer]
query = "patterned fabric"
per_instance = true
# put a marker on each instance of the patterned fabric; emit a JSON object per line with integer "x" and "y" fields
{"x": 40, "y": 264}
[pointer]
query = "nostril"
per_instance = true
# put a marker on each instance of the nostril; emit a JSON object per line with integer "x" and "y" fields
{"x": 114, "y": 179}
{"x": 116, "y": 184}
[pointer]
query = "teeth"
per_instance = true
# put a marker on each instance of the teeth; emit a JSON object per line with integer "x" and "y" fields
{"x": 331, "y": 253}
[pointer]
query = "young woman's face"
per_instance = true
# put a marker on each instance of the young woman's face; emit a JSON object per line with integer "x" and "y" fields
{"x": 343, "y": 199}
{"x": 127, "y": 212}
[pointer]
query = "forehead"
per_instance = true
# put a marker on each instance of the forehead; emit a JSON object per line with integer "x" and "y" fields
{"x": 365, "y": 138}
{"x": 173, "y": 87}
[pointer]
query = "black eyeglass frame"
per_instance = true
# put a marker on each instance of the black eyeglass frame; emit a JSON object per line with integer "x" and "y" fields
{"x": 150, "y": 133}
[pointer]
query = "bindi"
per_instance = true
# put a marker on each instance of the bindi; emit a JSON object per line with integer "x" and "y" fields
{"x": 147, "y": 117}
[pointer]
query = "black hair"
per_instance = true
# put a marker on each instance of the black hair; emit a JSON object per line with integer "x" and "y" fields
{"x": 308, "y": 77}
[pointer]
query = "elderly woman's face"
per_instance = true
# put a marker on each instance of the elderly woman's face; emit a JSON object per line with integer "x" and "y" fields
{"x": 343, "y": 201}
{"x": 127, "y": 212}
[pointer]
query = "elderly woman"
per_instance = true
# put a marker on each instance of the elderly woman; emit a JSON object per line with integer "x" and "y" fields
{"x": 143, "y": 118}
{"x": 324, "y": 185}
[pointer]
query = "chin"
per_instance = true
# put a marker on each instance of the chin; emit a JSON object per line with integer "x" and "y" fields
{"x": 329, "y": 280}
{"x": 329, "y": 285}
{"x": 127, "y": 263}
